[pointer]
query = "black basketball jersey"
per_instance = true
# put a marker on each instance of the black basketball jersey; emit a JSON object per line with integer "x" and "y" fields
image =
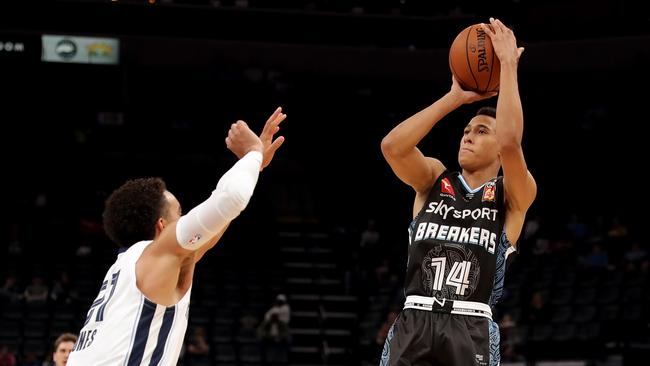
{"x": 457, "y": 246}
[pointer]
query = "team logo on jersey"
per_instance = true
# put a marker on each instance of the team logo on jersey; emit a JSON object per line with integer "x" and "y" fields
{"x": 447, "y": 188}
{"x": 489, "y": 192}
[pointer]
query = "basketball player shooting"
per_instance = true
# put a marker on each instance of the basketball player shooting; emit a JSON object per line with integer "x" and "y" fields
{"x": 140, "y": 314}
{"x": 465, "y": 224}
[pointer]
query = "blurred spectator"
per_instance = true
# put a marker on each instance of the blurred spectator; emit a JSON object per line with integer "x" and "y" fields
{"x": 62, "y": 289}
{"x": 382, "y": 333}
{"x": 248, "y": 326}
{"x": 7, "y": 358}
{"x": 617, "y": 229}
{"x": 10, "y": 291}
{"x": 15, "y": 245}
{"x": 36, "y": 293}
{"x": 507, "y": 322}
{"x": 597, "y": 258}
{"x": 597, "y": 230}
{"x": 576, "y": 227}
{"x": 635, "y": 254}
{"x": 62, "y": 348}
{"x": 537, "y": 311}
{"x": 370, "y": 236}
{"x": 507, "y": 329}
{"x": 564, "y": 250}
{"x": 368, "y": 245}
{"x": 532, "y": 227}
{"x": 30, "y": 358}
{"x": 382, "y": 273}
{"x": 645, "y": 267}
{"x": 274, "y": 331}
{"x": 198, "y": 349}
{"x": 509, "y": 354}
{"x": 542, "y": 246}
{"x": 281, "y": 309}
{"x": 84, "y": 249}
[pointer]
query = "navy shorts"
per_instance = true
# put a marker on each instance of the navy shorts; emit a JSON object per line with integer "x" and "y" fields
{"x": 420, "y": 337}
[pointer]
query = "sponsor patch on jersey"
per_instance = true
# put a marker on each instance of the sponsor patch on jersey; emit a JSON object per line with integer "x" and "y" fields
{"x": 489, "y": 192}
{"x": 447, "y": 187}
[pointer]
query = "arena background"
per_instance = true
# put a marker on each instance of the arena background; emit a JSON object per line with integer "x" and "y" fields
{"x": 327, "y": 224}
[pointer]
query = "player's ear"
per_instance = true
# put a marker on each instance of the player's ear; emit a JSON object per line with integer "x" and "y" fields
{"x": 160, "y": 225}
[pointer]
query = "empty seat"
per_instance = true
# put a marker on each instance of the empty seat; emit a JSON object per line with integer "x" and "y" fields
{"x": 561, "y": 296}
{"x": 250, "y": 353}
{"x": 589, "y": 331}
{"x": 564, "y": 332}
{"x": 224, "y": 353}
{"x": 305, "y": 355}
{"x": 34, "y": 330}
{"x": 608, "y": 313}
{"x": 339, "y": 303}
{"x": 305, "y": 319}
{"x": 541, "y": 333}
{"x": 10, "y": 329}
{"x": 561, "y": 314}
{"x": 306, "y": 337}
{"x": 338, "y": 337}
{"x": 585, "y": 295}
{"x": 339, "y": 320}
{"x": 584, "y": 314}
{"x": 608, "y": 295}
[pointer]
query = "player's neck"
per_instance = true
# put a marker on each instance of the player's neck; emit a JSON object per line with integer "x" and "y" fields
{"x": 476, "y": 178}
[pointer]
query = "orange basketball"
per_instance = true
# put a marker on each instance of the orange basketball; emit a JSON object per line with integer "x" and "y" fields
{"x": 473, "y": 61}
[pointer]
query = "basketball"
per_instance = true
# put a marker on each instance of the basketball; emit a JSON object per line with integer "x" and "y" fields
{"x": 473, "y": 61}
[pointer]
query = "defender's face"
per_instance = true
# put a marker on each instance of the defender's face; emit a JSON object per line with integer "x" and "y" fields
{"x": 479, "y": 146}
{"x": 174, "y": 211}
{"x": 62, "y": 352}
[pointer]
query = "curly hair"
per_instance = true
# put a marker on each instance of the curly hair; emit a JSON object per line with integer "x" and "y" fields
{"x": 131, "y": 211}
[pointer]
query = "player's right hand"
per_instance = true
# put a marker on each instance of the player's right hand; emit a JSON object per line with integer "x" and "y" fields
{"x": 466, "y": 96}
{"x": 504, "y": 42}
{"x": 241, "y": 140}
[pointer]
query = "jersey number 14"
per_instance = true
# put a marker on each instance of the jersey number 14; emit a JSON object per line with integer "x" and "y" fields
{"x": 458, "y": 275}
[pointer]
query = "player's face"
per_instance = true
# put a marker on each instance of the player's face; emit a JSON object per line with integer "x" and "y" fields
{"x": 62, "y": 352}
{"x": 478, "y": 147}
{"x": 173, "y": 208}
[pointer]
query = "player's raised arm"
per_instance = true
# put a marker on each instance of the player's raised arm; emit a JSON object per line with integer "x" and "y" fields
{"x": 520, "y": 187}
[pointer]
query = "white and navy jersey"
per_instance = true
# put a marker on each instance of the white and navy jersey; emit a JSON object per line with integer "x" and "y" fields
{"x": 457, "y": 245}
{"x": 124, "y": 328}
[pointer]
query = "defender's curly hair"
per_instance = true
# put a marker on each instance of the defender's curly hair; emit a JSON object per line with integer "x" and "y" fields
{"x": 131, "y": 211}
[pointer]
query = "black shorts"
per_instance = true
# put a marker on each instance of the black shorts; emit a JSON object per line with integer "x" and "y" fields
{"x": 420, "y": 337}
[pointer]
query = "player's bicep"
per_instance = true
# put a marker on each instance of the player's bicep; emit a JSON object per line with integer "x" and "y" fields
{"x": 519, "y": 184}
{"x": 415, "y": 169}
